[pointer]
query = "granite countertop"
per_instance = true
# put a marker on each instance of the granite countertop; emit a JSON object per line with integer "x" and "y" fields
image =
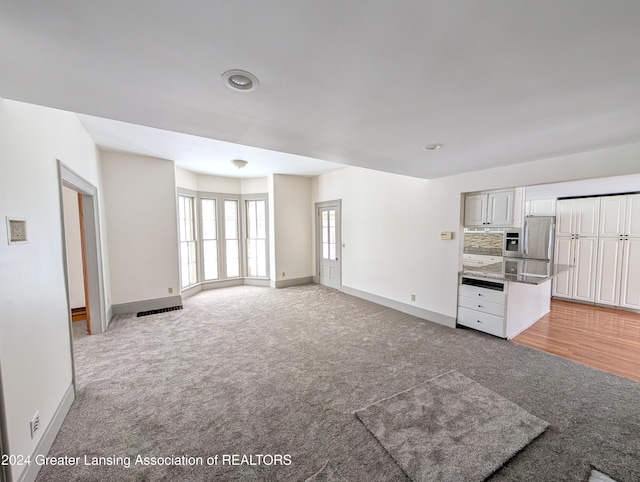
{"x": 483, "y": 251}
{"x": 516, "y": 270}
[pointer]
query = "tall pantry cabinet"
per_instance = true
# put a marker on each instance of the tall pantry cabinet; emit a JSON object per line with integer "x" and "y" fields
{"x": 618, "y": 270}
{"x": 577, "y": 245}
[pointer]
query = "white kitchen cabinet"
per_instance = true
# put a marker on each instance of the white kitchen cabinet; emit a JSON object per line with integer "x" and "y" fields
{"x": 494, "y": 208}
{"x": 580, "y": 282}
{"x": 540, "y": 207}
{"x": 618, "y": 271}
{"x": 501, "y": 308}
{"x": 609, "y": 271}
{"x": 475, "y": 210}
{"x": 584, "y": 280}
{"x": 563, "y": 254}
{"x": 630, "y": 283}
{"x": 632, "y": 223}
{"x": 577, "y": 217}
{"x": 612, "y": 216}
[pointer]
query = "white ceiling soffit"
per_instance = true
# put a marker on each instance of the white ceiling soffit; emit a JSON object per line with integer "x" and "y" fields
{"x": 497, "y": 82}
{"x": 199, "y": 154}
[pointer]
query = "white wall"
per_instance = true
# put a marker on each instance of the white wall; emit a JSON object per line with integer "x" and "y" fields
{"x": 35, "y": 353}
{"x": 186, "y": 179}
{"x": 391, "y": 224}
{"x": 143, "y": 235}
{"x": 73, "y": 243}
{"x": 291, "y": 227}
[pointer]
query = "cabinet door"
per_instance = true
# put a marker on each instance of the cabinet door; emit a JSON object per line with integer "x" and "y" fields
{"x": 500, "y": 208}
{"x": 542, "y": 207}
{"x": 630, "y": 284}
{"x": 584, "y": 276}
{"x": 632, "y": 224}
{"x": 563, "y": 283}
{"x": 587, "y": 214}
{"x": 475, "y": 209}
{"x": 608, "y": 272}
{"x": 612, "y": 216}
{"x": 564, "y": 217}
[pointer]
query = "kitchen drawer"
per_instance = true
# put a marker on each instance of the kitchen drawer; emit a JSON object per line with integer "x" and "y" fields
{"x": 494, "y": 325}
{"x": 478, "y": 304}
{"x": 483, "y": 294}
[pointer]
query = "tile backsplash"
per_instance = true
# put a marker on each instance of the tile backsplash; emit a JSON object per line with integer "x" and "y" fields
{"x": 490, "y": 243}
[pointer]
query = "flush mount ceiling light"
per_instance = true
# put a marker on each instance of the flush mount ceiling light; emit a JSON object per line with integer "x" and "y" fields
{"x": 240, "y": 80}
{"x": 239, "y": 163}
{"x": 432, "y": 147}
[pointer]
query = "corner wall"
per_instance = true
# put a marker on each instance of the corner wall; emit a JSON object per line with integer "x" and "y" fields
{"x": 35, "y": 352}
{"x": 143, "y": 231}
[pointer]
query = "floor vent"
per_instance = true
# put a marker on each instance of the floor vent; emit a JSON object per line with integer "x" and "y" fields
{"x": 161, "y": 310}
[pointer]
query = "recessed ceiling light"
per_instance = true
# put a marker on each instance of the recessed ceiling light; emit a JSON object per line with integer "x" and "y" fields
{"x": 432, "y": 147}
{"x": 240, "y": 80}
{"x": 239, "y": 163}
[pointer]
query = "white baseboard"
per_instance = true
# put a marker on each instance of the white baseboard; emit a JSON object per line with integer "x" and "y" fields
{"x": 449, "y": 321}
{"x": 147, "y": 305}
{"x": 286, "y": 283}
{"x": 44, "y": 445}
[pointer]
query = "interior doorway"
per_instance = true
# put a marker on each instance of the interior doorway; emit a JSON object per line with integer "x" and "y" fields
{"x": 76, "y": 260}
{"x": 93, "y": 273}
{"x": 329, "y": 243}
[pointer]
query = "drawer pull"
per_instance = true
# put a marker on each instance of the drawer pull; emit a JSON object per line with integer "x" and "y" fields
{"x": 480, "y": 306}
{"x": 480, "y": 294}
{"x": 478, "y": 321}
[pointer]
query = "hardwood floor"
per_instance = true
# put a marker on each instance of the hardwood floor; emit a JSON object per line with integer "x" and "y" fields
{"x": 603, "y": 338}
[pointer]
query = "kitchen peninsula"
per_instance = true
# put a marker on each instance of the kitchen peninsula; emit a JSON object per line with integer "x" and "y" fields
{"x": 503, "y": 296}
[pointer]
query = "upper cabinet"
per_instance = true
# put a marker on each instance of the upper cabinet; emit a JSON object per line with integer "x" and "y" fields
{"x": 494, "y": 208}
{"x": 540, "y": 207}
{"x": 577, "y": 217}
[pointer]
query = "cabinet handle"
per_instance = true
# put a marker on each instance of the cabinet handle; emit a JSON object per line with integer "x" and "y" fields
{"x": 480, "y": 294}
{"x": 478, "y": 321}
{"x": 480, "y": 306}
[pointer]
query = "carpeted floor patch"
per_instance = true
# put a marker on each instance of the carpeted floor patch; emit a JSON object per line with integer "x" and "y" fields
{"x": 328, "y": 473}
{"x": 450, "y": 428}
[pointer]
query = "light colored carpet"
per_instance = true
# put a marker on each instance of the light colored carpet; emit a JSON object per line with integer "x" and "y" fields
{"x": 450, "y": 428}
{"x": 328, "y": 473}
{"x": 252, "y": 370}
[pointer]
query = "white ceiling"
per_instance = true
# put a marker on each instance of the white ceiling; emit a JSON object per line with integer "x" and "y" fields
{"x": 363, "y": 83}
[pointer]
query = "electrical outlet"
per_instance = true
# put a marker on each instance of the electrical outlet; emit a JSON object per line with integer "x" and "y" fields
{"x": 16, "y": 231}
{"x": 34, "y": 425}
{"x": 413, "y": 297}
{"x": 170, "y": 290}
{"x": 283, "y": 274}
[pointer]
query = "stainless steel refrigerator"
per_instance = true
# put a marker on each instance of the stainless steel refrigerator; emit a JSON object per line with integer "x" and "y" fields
{"x": 538, "y": 234}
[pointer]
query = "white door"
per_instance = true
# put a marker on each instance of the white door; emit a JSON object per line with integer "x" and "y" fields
{"x": 612, "y": 216}
{"x": 564, "y": 217}
{"x": 563, "y": 283}
{"x": 630, "y": 284}
{"x": 609, "y": 271}
{"x": 475, "y": 209}
{"x": 587, "y": 214}
{"x": 329, "y": 244}
{"x": 584, "y": 279}
{"x": 632, "y": 225}
{"x": 500, "y": 208}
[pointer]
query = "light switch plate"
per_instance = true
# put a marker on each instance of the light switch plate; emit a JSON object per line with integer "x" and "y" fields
{"x": 16, "y": 230}
{"x": 446, "y": 235}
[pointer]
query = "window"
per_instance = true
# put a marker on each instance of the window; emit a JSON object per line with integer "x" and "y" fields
{"x": 187, "y": 229}
{"x": 256, "y": 238}
{"x": 209, "y": 239}
{"x": 329, "y": 234}
{"x": 222, "y": 236}
{"x": 232, "y": 245}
